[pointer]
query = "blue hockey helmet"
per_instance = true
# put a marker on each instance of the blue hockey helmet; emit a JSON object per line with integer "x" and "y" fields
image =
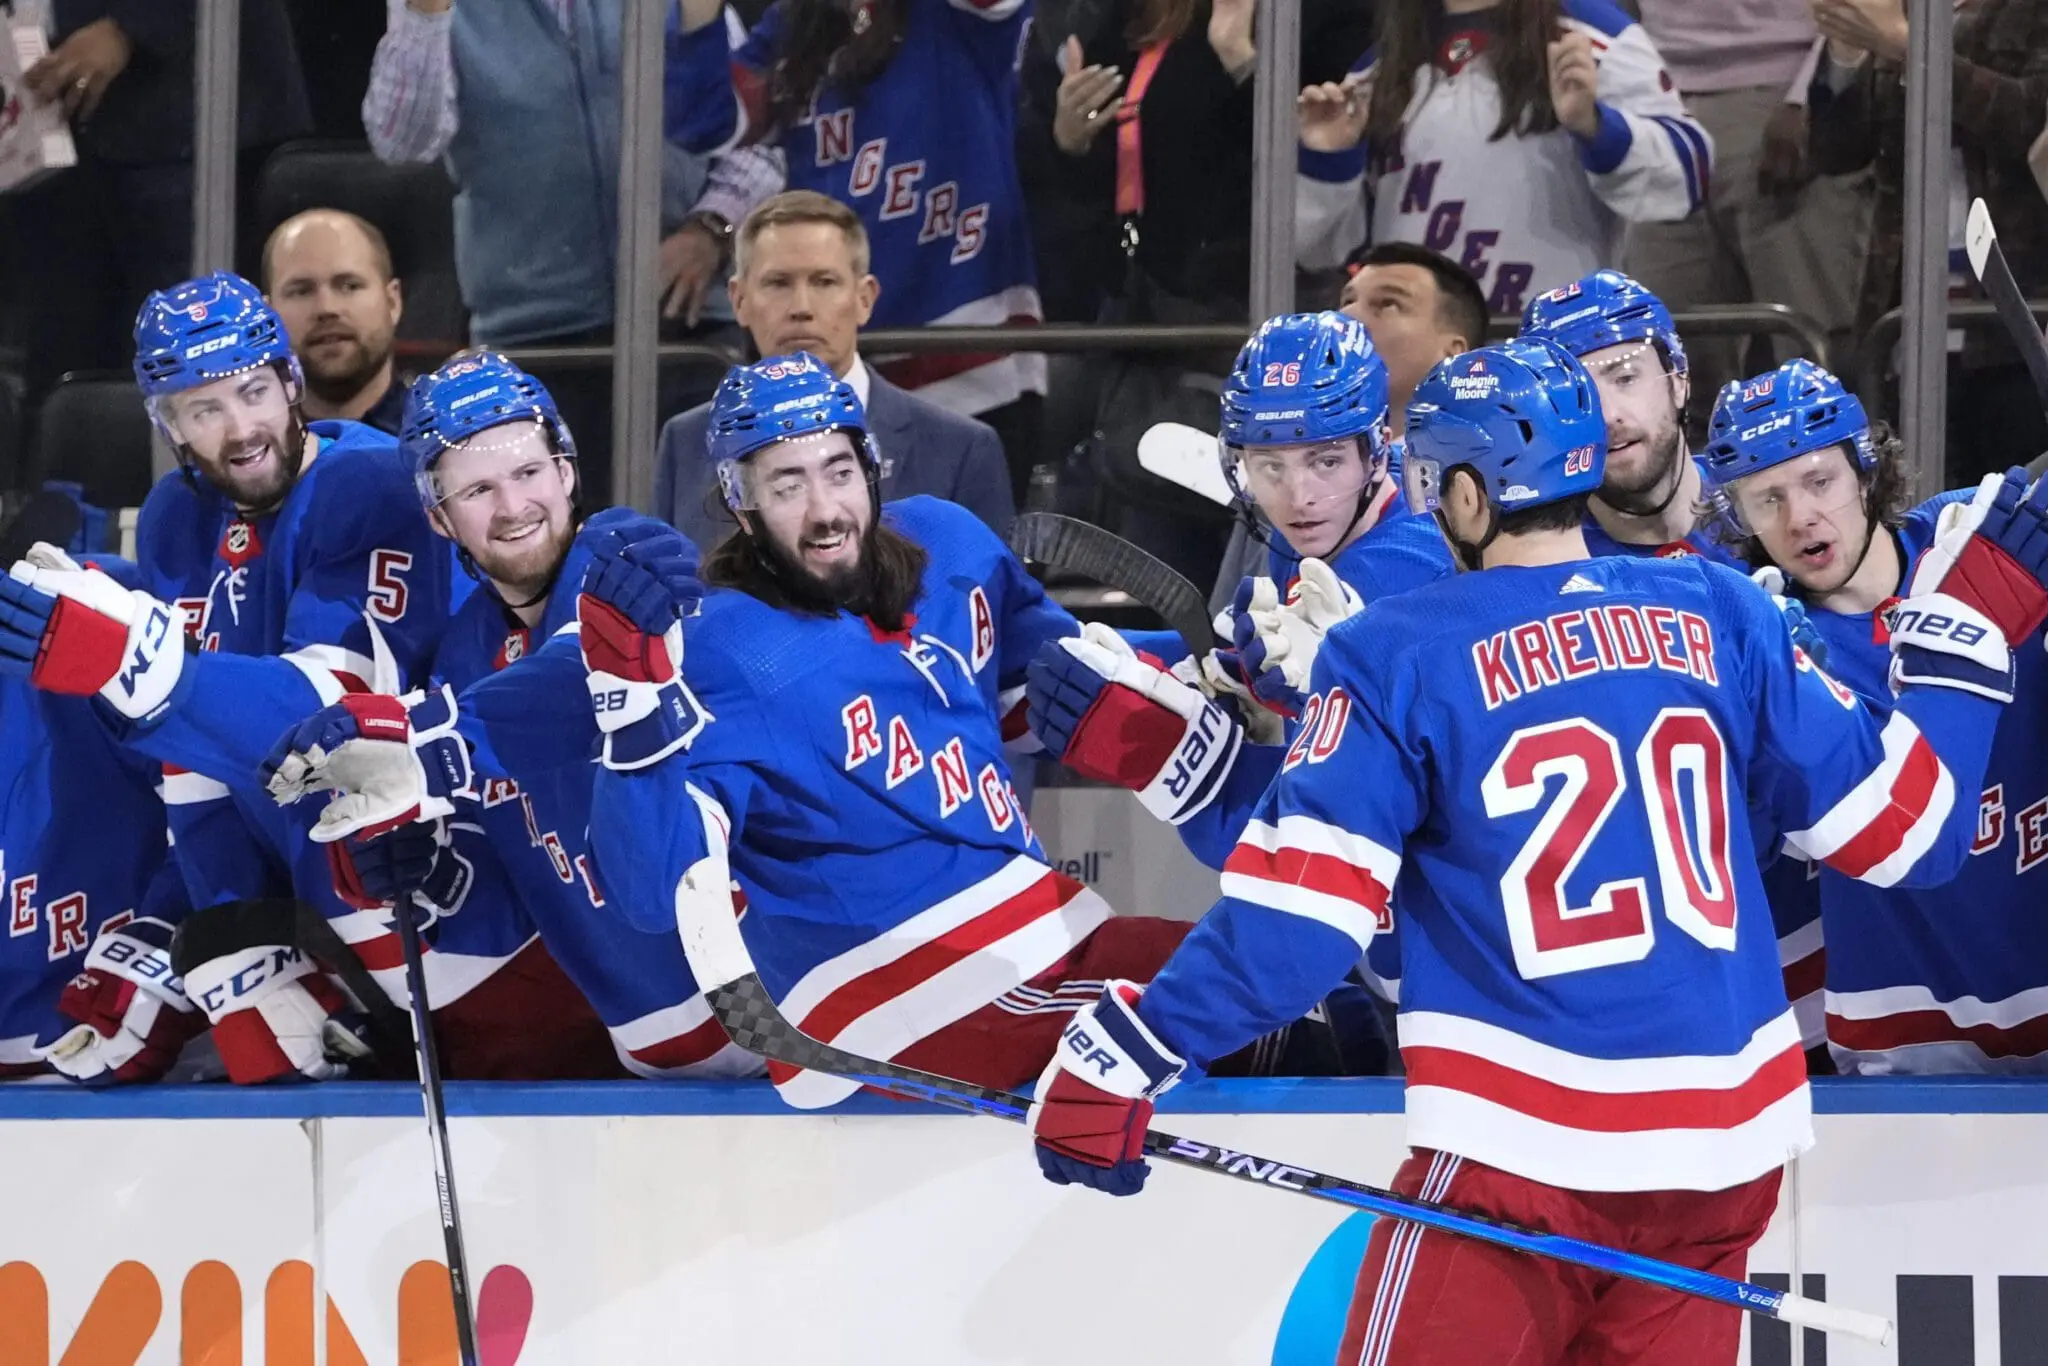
{"x": 1305, "y": 378}
{"x": 1798, "y": 409}
{"x": 1523, "y": 414}
{"x": 207, "y": 329}
{"x": 472, "y": 393}
{"x": 783, "y": 398}
{"x": 1606, "y": 308}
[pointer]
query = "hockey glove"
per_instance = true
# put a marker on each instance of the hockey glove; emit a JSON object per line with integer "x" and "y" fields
{"x": 1222, "y": 674}
{"x": 276, "y": 1014}
{"x": 133, "y": 1016}
{"x": 1094, "y": 1099}
{"x": 629, "y": 622}
{"x": 1109, "y": 714}
{"x": 393, "y": 760}
{"x": 1278, "y": 640}
{"x": 415, "y": 870}
{"x": 76, "y": 631}
{"x": 1991, "y": 556}
{"x": 1805, "y": 635}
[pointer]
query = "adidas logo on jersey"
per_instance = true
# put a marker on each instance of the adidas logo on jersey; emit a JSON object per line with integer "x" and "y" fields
{"x": 1579, "y": 583}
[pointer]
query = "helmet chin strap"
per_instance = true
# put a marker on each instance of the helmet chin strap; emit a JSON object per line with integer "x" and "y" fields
{"x": 1471, "y": 558}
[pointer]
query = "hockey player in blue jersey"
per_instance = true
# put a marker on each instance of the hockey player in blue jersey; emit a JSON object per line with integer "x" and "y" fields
{"x": 1950, "y": 979}
{"x": 497, "y": 474}
{"x": 1304, "y": 441}
{"x": 1623, "y": 334}
{"x": 314, "y": 576}
{"x": 831, "y": 762}
{"x": 91, "y": 899}
{"x": 1539, "y": 767}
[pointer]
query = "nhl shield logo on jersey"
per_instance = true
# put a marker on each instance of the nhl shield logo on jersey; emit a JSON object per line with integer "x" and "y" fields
{"x": 515, "y": 647}
{"x": 240, "y": 544}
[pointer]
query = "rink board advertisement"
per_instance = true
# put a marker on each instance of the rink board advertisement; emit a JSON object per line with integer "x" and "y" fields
{"x": 680, "y": 1223}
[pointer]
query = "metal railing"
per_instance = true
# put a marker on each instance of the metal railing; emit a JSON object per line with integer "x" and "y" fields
{"x": 1720, "y": 320}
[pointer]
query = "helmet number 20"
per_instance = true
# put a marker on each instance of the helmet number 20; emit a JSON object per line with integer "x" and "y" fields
{"x": 1682, "y": 767}
{"x": 1282, "y": 373}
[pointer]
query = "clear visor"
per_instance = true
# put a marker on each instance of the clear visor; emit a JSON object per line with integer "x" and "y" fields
{"x": 1419, "y": 483}
{"x": 793, "y": 473}
{"x": 1805, "y": 491}
{"x": 1329, "y": 473}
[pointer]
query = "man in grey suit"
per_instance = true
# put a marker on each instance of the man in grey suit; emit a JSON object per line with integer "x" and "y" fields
{"x": 800, "y": 282}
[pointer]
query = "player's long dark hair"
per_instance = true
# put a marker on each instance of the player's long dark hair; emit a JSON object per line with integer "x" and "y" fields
{"x": 1518, "y": 55}
{"x": 892, "y": 572}
{"x": 1887, "y": 495}
{"x": 841, "y": 43}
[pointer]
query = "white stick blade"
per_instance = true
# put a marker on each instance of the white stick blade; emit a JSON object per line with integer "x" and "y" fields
{"x": 1830, "y": 1318}
{"x": 1186, "y": 458}
{"x": 1978, "y": 237}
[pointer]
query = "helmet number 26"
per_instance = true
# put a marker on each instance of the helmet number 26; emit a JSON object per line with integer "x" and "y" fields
{"x": 1282, "y": 373}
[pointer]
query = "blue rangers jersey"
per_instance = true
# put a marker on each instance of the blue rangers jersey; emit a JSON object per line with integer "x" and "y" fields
{"x": 1523, "y": 213}
{"x": 82, "y": 848}
{"x": 345, "y": 587}
{"x": 1702, "y": 541}
{"x": 937, "y": 191}
{"x": 855, "y": 784}
{"x": 535, "y": 814}
{"x": 1541, "y": 770}
{"x": 1955, "y": 978}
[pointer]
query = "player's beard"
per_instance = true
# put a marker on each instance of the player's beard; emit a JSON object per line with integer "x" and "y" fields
{"x": 1646, "y": 494}
{"x": 340, "y": 379}
{"x": 263, "y": 490}
{"x": 849, "y": 586}
{"x": 524, "y": 571}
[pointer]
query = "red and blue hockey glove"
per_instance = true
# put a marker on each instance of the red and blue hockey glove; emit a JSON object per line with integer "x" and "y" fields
{"x": 76, "y": 631}
{"x": 1991, "y": 555}
{"x": 636, "y": 592}
{"x": 415, "y": 869}
{"x": 1278, "y": 641}
{"x": 132, "y": 1012}
{"x": 1094, "y": 1099}
{"x": 1110, "y": 714}
{"x": 393, "y": 760}
{"x": 276, "y": 1014}
{"x": 1804, "y": 633}
{"x": 1980, "y": 590}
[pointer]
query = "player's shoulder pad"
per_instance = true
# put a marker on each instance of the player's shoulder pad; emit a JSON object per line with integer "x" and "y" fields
{"x": 738, "y": 650}
{"x": 1604, "y": 17}
{"x": 358, "y": 493}
{"x": 179, "y": 525}
{"x": 1394, "y": 557}
{"x": 955, "y": 538}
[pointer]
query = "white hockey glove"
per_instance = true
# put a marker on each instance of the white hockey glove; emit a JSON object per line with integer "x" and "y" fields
{"x": 1278, "y": 641}
{"x": 391, "y": 759}
{"x": 134, "y": 1018}
{"x": 76, "y": 631}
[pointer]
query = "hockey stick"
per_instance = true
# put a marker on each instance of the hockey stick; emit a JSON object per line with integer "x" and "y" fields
{"x": 1187, "y": 458}
{"x": 1114, "y": 562}
{"x": 437, "y": 1133}
{"x": 1988, "y": 264}
{"x": 742, "y": 1006}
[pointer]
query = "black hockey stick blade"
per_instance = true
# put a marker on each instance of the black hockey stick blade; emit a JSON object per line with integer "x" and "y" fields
{"x": 749, "y": 1014}
{"x": 1114, "y": 562}
{"x": 1988, "y": 264}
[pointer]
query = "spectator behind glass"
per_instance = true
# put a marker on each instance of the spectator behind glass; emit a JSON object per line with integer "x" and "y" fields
{"x": 1143, "y": 110}
{"x": 328, "y": 275}
{"x": 89, "y": 243}
{"x": 1517, "y": 137}
{"x": 801, "y": 283}
{"x": 907, "y": 112}
{"x": 1771, "y": 230}
{"x": 2000, "y": 77}
{"x": 1420, "y": 306}
{"x": 523, "y": 100}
